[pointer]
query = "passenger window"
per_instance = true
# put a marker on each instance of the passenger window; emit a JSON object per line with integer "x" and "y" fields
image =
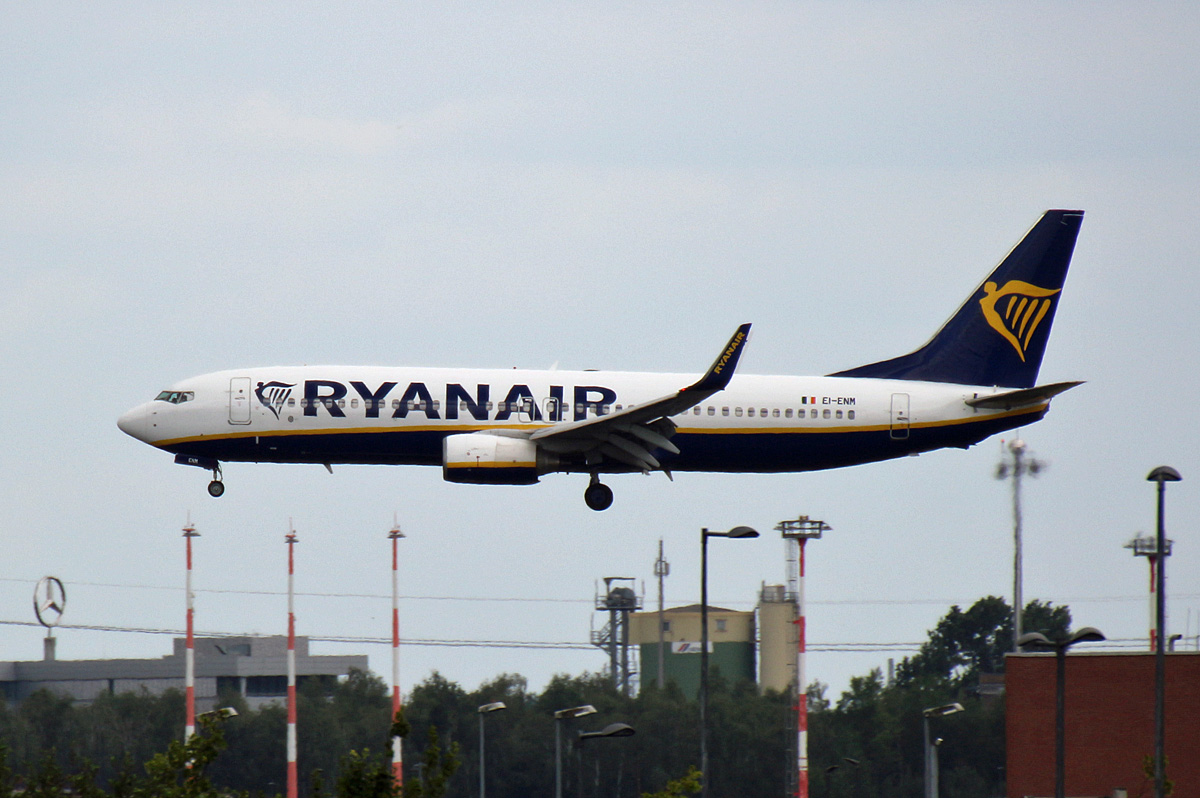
{"x": 839, "y": 414}
{"x": 353, "y": 404}
{"x": 724, "y": 411}
{"x": 712, "y": 411}
{"x": 737, "y": 411}
{"x": 850, "y": 414}
{"x": 824, "y": 414}
{"x": 763, "y": 412}
{"x": 291, "y": 401}
{"x": 787, "y": 413}
{"x": 695, "y": 411}
{"x": 812, "y": 413}
{"x": 775, "y": 413}
{"x": 749, "y": 412}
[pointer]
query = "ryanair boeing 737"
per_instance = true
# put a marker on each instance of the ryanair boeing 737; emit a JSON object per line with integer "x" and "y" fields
{"x": 976, "y": 377}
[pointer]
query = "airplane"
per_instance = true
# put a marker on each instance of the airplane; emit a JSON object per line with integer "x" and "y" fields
{"x": 976, "y": 377}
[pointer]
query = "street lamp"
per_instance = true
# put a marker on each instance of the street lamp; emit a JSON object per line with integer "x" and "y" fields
{"x": 611, "y": 730}
{"x": 931, "y": 774}
{"x": 559, "y": 716}
{"x": 495, "y": 706}
{"x": 1162, "y": 475}
{"x": 738, "y": 532}
{"x": 1088, "y": 634}
{"x": 829, "y": 771}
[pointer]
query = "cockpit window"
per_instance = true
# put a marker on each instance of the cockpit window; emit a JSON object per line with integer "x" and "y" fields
{"x": 175, "y": 397}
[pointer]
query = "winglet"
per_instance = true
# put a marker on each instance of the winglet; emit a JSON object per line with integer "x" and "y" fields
{"x": 721, "y": 371}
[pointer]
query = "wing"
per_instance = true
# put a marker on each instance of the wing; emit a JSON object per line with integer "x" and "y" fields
{"x": 628, "y": 437}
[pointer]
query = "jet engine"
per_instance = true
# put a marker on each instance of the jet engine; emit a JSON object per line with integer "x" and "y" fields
{"x": 480, "y": 458}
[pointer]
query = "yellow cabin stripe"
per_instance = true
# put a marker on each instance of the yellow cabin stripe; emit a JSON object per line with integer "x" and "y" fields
{"x": 534, "y": 427}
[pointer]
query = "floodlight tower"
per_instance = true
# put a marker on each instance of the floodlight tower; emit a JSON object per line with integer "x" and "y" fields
{"x": 618, "y": 602}
{"x": 797, "y": 533}
{"x": 397, "y": 754}
{"x": 1148, "y": 547}
{"x": 1021, "y": 465}
{"x": 189, "y": 677}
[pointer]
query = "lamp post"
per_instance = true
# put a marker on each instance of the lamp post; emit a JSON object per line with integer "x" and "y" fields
{"x": 931, "y": 774}
{"x": 829, "y": 771}
{"x": 559, "y": 716}
{"x": 611, "y": 730}
{"x": 1088, "y": 634}
{"x": 738, "y": 532}
{"x": 1162, "y": 475}
{"x": 486, "y": 709}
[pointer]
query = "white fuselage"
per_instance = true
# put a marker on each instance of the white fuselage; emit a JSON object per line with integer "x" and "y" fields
{"x": 380, "y": 415}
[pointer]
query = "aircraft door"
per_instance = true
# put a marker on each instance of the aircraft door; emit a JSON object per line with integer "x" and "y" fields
{"x": 239, "y": 400}
{"x": 900, "y": 416}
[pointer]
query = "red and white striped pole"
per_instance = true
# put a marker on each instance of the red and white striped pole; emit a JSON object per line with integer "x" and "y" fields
{"x": 397, "y": 754}
{"x": 1153, "y": 602}
{"x": 801, "y": 695}
{"x": 801, "y": 531}
{"x": 1148, "y": 547}
{"x": 189, "y": 677}
{"x": 292, "y": 782}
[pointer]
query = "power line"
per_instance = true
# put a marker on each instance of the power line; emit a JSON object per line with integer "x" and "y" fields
{"x": 946, "y": 602}
{"x": 832, "y": 647}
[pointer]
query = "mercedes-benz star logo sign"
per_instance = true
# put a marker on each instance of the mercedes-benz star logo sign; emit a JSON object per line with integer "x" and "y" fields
{"x": 49, "y": 601}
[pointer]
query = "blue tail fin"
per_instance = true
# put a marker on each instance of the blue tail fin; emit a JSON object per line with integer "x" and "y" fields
{"x": 999, "y": 335}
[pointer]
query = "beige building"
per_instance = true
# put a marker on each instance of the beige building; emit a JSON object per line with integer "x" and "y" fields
{"x": 778, "y": 638}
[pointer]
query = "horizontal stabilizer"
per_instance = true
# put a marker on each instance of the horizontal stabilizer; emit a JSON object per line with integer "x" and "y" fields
{"x": 1022, "y": 398}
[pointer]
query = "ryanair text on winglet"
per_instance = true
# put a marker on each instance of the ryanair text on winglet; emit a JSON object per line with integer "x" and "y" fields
{"x": 729, "y": 352}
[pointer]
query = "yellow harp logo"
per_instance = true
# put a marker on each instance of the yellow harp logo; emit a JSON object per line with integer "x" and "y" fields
{"x": 1016, "y": 310}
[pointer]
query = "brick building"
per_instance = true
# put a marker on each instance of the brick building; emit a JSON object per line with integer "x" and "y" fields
{"x": 1109, "y": 723}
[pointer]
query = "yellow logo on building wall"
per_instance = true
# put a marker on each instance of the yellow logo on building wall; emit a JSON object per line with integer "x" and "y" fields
{"x": 1016, "y": 310}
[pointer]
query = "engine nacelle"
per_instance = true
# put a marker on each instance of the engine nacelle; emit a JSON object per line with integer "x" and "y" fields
{"x": 478, "y": 458}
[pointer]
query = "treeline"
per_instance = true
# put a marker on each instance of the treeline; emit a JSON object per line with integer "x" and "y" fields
{"x": 867, "y": 742}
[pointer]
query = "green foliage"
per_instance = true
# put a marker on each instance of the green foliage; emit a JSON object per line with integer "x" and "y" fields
{"x": 438, "y": 767}
{"x": 686, "y": 785}
{"x": 965, "y": 644}
{"x": 867, "y": 742}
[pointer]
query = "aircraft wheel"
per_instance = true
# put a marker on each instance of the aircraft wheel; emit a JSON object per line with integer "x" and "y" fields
{"x": 216, "y": 488}
{"x": 598, "y": 496}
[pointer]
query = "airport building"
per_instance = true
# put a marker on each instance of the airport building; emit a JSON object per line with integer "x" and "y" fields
{"x": 253, "y": 667}
{"x": 1108, "y": 719}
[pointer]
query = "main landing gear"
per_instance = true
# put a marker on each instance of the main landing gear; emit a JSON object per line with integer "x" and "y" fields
{"x": 598, "y": 495}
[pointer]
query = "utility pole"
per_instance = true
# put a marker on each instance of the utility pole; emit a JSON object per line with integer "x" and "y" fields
{"x": 1021, "y": 465}
{"x": 661, "y": 569}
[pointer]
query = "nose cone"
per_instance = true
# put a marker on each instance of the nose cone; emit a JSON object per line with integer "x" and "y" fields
{"x": 136, "y": 423}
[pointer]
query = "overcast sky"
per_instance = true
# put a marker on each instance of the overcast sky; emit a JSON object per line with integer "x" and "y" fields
{"x": 189, "y": 188}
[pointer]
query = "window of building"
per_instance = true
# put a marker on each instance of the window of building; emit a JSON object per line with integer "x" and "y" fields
{"x": 721, "y": 624}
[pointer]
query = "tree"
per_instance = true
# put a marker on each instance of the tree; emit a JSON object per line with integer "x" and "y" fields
{"x": 965, "y": 644}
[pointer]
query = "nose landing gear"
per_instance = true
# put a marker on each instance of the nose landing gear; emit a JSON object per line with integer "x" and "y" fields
{"x": 598, "y": 496}
{"x": 216, "y": 488}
